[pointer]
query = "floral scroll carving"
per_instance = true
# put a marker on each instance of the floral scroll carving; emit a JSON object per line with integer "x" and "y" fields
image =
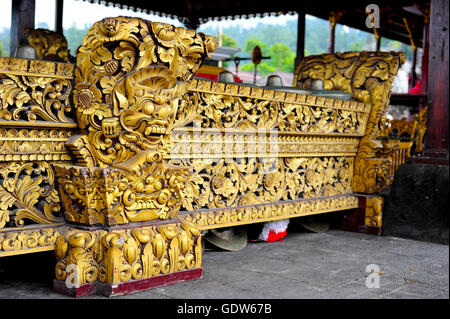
{"x": 368, "y": 76}
{"x": 32, "y": 90}
{"x": 27, "y": 192}
{"x": 238, "y": 183}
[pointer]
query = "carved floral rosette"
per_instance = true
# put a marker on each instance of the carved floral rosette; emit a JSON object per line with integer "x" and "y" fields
{"x": 118, "y": 256}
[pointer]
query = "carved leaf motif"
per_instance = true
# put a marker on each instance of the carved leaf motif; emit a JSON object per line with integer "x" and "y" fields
{"x": 130, "y": 250}
{"x": 61, "y": 247}
{"x": 11, "y": 93}
{"x": 100, "y": 54}
{"x": 126, "y": 53}
{"x": 23, "y": 190}
{"x": 4, "y": 216}
{"x": 6, "y": 199}
{"x": 28, "y": 190}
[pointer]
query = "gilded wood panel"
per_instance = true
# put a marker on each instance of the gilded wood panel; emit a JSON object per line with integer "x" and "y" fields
{"x": 35, "y": 124}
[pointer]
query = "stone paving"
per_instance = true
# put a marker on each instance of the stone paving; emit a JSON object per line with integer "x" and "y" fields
{"x": 329, "y": 265}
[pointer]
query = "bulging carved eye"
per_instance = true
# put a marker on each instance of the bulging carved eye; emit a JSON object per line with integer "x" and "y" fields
{"x": 148, "y": 107}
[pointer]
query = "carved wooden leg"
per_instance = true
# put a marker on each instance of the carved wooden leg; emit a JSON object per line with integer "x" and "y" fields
{"x": 126, "y": 259}
{"x": 367, "y": 218}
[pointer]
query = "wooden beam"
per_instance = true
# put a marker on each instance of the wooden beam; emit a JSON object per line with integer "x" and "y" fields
{"x": 22, "y": 16}
{"x": 332, "y": 19}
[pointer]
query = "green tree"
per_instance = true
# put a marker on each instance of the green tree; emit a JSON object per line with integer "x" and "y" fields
{"x": 263, "y": 68}
{"x": 253, "y": 42}
{"x": 4, "y": 41}
{"x": 74, "y": 37}
{"x": 228, "y": 41}
{"x": 281, "y": 57}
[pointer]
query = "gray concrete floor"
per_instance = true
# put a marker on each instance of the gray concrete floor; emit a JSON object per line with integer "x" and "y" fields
{"x": 330, "y": 265}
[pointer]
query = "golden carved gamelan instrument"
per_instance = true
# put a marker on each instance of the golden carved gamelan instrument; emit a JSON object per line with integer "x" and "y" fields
{"x": 127, "y": 187}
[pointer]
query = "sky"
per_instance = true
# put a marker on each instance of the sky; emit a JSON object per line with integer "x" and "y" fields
{"x": 84, "y": 13}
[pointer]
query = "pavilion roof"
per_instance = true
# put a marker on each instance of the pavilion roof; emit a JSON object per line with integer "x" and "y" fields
{"x": 195, "y": 12}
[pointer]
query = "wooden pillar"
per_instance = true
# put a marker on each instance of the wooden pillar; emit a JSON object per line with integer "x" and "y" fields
{"x": 412, "y": 73}
{"x": 413, "y": 67}
{"x": 300, "y": 38}
{"x": 377, "y": 36}
{"x": 59, "y": 16}
{"x": 22, "y": 17}
{"x": 332, "y": 33}
{"x": 436, "y": 142}
{"x": 425, "y": 55}
{"x": 377, "y": 43}
{"x": 333, "y": 19}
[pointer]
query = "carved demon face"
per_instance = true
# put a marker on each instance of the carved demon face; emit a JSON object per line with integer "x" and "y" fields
{"x": 129, "y": 74}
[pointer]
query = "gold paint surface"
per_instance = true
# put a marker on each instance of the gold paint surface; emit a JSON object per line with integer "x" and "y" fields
{"x": 49, "y": 45}
{"x": 129, "y": 75}
{"x": 117, "y": 256}
{"x": 152, "y": 143}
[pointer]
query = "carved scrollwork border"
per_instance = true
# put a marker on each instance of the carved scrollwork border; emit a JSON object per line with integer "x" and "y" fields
{"x": 29, "y": 239}
{"x": 235, "y": 216}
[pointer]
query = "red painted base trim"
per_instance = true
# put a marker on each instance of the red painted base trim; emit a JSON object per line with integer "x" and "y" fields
{"x": 83, "y": 290}
{"x": 127, "y": 287}
{"x": 148, "y": 283}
